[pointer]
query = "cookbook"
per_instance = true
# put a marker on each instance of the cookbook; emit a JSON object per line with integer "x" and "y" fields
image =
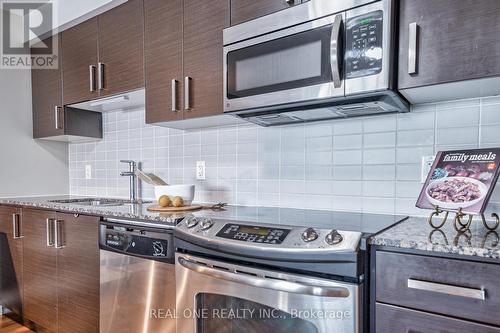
{"x": 461, "y": 179}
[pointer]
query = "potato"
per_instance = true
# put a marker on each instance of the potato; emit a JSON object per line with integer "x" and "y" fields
{"x": 178, "y": 202}
{"x": 164, "y": 201}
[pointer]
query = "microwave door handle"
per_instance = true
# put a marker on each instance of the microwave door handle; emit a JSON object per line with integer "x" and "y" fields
{"x": 261, "y": 282}
{"x": 335, "y": 48}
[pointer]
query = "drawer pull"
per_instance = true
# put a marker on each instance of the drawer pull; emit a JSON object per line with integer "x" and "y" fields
{"x": 447, "y": 289}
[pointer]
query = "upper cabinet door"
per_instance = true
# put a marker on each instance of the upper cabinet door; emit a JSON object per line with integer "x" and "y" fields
{"x": 455, "y": 40}
{"x": 46, "y": 85}
{"x": 79, "y": 49}
{"x": 203, "y": 25}
{"x": 121, "y": 47}
{"x": 163, "y": 59}
{"x": 244, "y": 10}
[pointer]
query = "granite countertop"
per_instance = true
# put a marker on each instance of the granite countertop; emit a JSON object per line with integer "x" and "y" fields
{"x": 416, "y": 233}
{"x": 366, "y": 223}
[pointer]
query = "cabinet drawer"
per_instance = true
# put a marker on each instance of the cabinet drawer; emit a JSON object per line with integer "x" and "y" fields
{"x": 392, "y": 319}
{"x": 469, "y": 290}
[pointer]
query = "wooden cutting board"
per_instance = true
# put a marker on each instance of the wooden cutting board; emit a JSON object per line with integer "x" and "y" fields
{"x": 158, "y": 208}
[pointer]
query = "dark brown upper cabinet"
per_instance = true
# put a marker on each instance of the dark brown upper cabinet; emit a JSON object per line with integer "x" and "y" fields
{"x": 452, "y": 41}
{"x": 204, "y": 22}
{"x": 51, "y": 119}
{"x": 79, "y": 47}
{"x": 121, "y": 47}
{"x": 183, "y": 50}
{"x": 244, "y": 10}
{"x": 104, "y": 55}
{"x": 163, "y": 60}
{"x": 48, "y": 118}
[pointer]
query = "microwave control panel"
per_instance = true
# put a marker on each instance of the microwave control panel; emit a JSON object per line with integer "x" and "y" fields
{"x": 364, "y": 45}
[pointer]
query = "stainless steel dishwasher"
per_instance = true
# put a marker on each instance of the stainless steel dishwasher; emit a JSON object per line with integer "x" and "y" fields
{"x": 137, "y": 289}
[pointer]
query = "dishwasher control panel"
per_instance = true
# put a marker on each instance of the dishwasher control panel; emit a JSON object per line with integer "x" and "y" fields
{"x": 136, "y": 241}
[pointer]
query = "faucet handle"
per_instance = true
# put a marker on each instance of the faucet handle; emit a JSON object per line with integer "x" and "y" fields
{"x": 127, "y": 161}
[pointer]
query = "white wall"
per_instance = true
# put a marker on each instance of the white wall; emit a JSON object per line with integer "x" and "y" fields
{"x": 27, "y": 166}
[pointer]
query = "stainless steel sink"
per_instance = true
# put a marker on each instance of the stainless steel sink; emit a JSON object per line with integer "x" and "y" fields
{"x": 99, "y": 202}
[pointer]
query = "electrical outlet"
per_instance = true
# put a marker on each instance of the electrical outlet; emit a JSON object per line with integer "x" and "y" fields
{"x": 200, "y": 170}
{"x": 427, "y": 162}
{"x": 88, "y": 171}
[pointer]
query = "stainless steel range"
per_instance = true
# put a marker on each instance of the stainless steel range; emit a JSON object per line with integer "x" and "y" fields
{"x": 235, "y": 276}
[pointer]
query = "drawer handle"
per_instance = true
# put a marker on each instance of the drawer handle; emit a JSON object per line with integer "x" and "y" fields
{"x": 447, "y": 289}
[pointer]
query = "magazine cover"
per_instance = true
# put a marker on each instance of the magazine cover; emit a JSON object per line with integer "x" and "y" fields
{"x": 461, "y": 179}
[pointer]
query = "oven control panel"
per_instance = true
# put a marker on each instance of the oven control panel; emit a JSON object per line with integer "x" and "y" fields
{"x": 364, "y": 45}
{"x": 253, "y": 234}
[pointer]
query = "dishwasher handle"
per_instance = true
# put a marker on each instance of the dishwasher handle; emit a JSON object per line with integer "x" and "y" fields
{"x": 266, "y": 283}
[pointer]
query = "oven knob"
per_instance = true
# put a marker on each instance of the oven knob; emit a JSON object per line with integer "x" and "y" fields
{"x": 333, "y": 238}
{"x": 191, "y": 222}
{"x": 206, "y": 224}
{"x": 309, "y": 235}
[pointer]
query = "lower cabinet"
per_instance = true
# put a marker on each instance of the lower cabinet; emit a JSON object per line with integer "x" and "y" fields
{"x": 61, "y": 271}
{"x": 428, "y": 294}
{"x": 393, "y": 319}
{"x": 11, "y": 260}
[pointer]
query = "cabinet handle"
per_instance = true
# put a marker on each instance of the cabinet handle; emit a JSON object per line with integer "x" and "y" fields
{"x": 413, "y": 47}
{"x": 100, "y": 74}
{"x": 187, "y": 83}
{"x": 174, "y": 95}
{"x": 447, "y": 289}
{"x": 16, "y": 228}
{"x": 92, "y": 78}
{"x": 58, "y": 234}
{"x": 57, "y": 110}
{"x": 50, "y": 232}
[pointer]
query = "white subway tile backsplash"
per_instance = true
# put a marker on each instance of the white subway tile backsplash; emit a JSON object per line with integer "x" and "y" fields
{"x": 360, "y": 164}
{"x": 415, "y": 138}
{"x": 459, "y": 135}
{"x": 379, "y": 156}
{"x": 457, "y": 117}
{"x": 353, "y": 141}
{"x": 490, "y": 134}
{"x": 379, "y": 140}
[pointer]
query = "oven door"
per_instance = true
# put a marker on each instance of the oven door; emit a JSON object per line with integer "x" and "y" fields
{"x": 218, "y": 297}
{"x": 294, "y": 65}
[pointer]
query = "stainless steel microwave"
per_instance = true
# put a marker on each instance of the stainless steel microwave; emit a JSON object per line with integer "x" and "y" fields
{"x": 322, "y": 59}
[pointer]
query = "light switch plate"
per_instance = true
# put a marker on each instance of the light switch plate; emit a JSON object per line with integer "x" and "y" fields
{"x": 427, "y": 162}
{"x": 200, "y": 170}
{"x": 88, "y": 171}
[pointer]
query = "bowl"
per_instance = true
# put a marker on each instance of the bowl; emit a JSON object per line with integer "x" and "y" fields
{"x": 186, "y": 192}
{"x": 456, "y": 205}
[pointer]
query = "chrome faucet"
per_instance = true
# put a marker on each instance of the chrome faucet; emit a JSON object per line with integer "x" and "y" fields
{"x": 132, "y": 167}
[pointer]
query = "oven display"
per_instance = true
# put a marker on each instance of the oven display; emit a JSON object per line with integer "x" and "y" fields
{"x": 253, "y": 234}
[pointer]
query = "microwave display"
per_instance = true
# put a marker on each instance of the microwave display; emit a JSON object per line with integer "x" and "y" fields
{"x": 364, "y": 45}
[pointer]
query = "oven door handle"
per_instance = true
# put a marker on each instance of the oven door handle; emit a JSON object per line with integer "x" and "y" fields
{"x": 262, "y": 282}
{"x": 335, "y": 49}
